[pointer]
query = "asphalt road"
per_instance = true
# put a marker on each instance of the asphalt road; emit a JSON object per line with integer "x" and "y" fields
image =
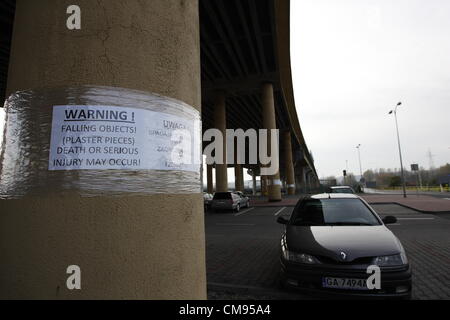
{"x": 243, "y": 248}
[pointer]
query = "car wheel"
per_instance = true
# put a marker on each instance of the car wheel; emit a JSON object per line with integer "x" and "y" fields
{"x": 248, "y": 204}
{"x": 238, "y": 208}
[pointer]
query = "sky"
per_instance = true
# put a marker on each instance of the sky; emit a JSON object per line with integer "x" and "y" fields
{"x": 352, "y": 62}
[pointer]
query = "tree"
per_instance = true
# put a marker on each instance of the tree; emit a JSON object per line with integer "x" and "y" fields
{"x": 396, "y": 181}
{"x": 369, "y": 175}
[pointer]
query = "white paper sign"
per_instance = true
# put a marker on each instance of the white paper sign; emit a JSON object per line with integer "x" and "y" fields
{"x": 122, "y": 138}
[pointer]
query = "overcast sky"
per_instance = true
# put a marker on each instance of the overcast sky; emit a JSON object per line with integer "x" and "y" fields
{"x": 352, "y": 61}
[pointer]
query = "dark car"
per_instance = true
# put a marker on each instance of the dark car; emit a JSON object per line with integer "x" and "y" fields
{"x": 331, "y": 240}
{"x": 342, "y": 189}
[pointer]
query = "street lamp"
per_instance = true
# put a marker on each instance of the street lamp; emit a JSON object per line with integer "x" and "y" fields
{"x": 359, "y": 156}
{"x": 399, "y": 148}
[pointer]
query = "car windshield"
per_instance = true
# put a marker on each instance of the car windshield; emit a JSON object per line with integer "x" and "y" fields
{"x": 341, "y": 190}
{"x": 333, "y": 212}
{"x": 222, "y": 196}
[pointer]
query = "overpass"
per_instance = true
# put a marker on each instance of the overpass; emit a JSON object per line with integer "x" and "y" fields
{"x": 244, "y": 45}
{"x": 229, "y": 60}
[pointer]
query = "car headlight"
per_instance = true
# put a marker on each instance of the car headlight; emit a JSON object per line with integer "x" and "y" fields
{"x": 300, "y": 257}
{"x": 391, "y": 261}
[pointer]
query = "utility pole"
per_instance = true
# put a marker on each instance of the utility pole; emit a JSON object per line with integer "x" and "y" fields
{"x": 399, "y": 148}
{"x": 359, "y": 157}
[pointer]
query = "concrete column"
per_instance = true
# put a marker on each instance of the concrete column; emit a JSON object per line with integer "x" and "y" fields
{"x": 239, "y": 177}
{"x": 308, "y": 181}
{"x": 209, "y": 179}
{"x": 305, "y": 186}
{"x": 127, "y": 246}
{"x": 254, "y": 182}
{"x": 220, "y": 123}
{"x": 289, "y": 165}
{"x": 263, "y": 185}
{"x": 269, "y": 122}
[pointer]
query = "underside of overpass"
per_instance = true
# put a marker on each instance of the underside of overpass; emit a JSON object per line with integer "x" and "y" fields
{"x": 245, "y": 44}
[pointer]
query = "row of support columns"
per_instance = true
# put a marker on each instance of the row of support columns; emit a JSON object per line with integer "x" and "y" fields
{"x": 270, "y": 185}
{"x": 305, "y": 180}
{"x": 292, "y": 184}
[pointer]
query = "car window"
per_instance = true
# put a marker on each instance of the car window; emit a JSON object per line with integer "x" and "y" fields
{"x": 342, "y": 190}
{"x": 323, "y": 212}
{"x": 222, "y": 196}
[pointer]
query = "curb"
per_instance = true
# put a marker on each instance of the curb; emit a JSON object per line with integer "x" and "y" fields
{"x": 409, "y": 207}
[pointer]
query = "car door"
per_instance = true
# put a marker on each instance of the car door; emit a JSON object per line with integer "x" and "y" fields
{"x": 242, "y": 200}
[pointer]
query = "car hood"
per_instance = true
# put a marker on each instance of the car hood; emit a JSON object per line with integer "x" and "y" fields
{"x": 330, "y": 241}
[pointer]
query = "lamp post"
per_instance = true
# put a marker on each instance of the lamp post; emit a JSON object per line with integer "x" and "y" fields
{"x": 399, "y": 148}
{"x": 359, "y": 157}
{"x": 346, "y": 172}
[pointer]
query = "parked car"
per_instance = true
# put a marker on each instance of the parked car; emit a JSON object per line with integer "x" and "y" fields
{"x": 342, "y": 189}
{"x": 229, "y": 201}
{"x": 207, "y": 199}
{"x": 329, "y": 242}
{"x": 245, "y": 201}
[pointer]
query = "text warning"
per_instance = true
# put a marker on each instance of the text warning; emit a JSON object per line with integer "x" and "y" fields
{"x": 122, "y": 138}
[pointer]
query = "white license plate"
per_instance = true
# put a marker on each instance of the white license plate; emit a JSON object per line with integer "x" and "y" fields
{"x": 344, "y": 283}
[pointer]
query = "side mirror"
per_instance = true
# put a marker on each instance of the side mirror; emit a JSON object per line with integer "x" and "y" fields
{"x": 282, "y": 220}
{"x": 389, "y": 220}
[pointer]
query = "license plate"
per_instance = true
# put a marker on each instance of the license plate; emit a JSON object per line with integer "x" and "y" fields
{"x": 344, "y": 283}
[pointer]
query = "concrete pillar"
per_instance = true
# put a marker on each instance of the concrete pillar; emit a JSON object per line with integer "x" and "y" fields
{"x": 263, "y": 186}
{"x": 308, "y": 180}
{"x": 238, "y": 177}
{"x": 209, "y": 179}
{"x": 269, "y": 122}
{"x": 305, "y": 183}
{"x": 254, "y": 183}
{"x": 288, "y": 163}
{"x": 127, "y": 246}
{"x": 220, "y": 123}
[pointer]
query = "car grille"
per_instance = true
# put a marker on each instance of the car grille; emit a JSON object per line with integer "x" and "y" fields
{"x": 357, "y": 261}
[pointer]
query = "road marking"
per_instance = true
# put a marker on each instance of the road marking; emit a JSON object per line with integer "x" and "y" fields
{"x": 415, "y": 218}
{"x": 235, "y": 224}
{"x": 242, "y": 212}
{"x": 279, "y": 211}
{"x": 447, "y": 198}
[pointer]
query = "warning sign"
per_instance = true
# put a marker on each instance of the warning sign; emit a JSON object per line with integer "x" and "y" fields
{"x": 122, "y": 138}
